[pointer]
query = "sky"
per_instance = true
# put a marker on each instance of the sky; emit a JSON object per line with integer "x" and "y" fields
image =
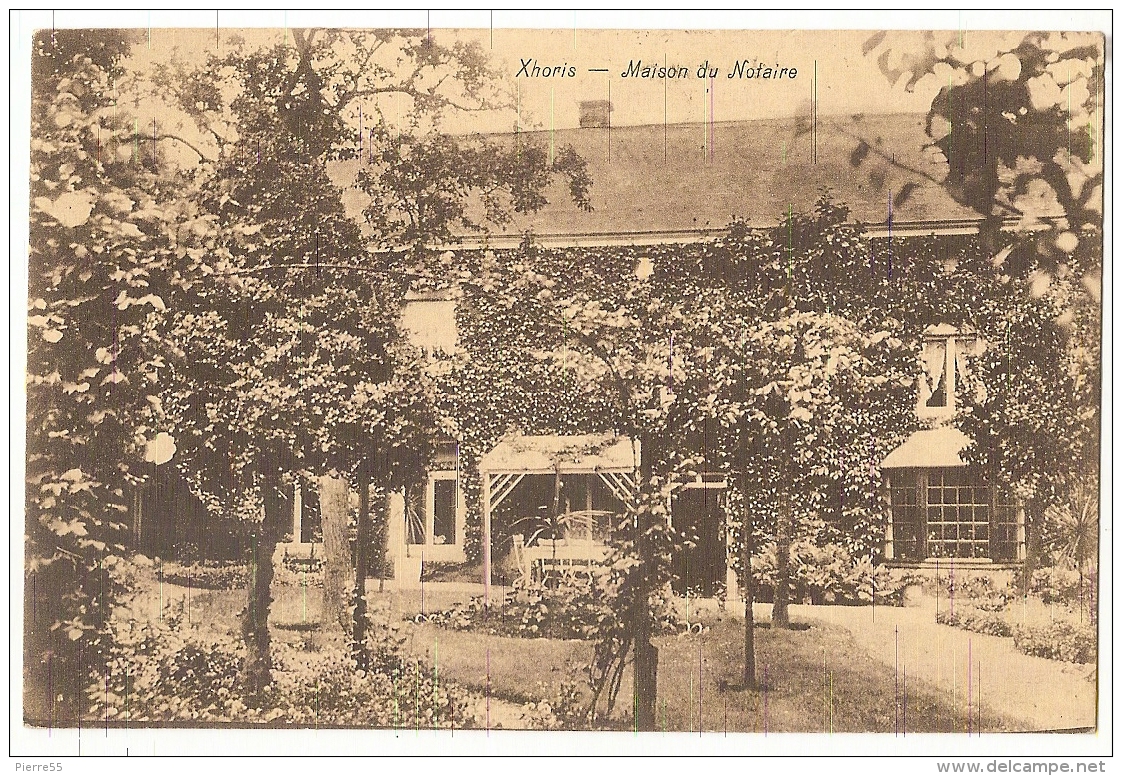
{"x": 829, "y": 66}
{"x": 834, "y": 75}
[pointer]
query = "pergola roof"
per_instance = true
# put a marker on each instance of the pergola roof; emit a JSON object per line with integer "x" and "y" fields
{"x": 576, "y": 454}
{"x": 930, "y": 448}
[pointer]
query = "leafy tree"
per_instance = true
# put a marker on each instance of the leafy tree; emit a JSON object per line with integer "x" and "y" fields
{"x": 290, "y": 354}
{"x": 1031, "y": 402}
{"x": 673, "y": 346}
{"x": 808, "y": 386}
{"x": 302, "y": 355}
{"x": 610, "y": 347}
{"x": 820, "y": 402}
{"x": 106, "y": 236}
{"x": 423, "y": 188}
{"x": 1019, "y": 123}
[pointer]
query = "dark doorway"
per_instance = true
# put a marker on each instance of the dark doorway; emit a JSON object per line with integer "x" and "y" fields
{"x": 698, "y": 515}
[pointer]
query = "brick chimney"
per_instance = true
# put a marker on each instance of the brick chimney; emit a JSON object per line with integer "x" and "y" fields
{"x": 595, "y": 113}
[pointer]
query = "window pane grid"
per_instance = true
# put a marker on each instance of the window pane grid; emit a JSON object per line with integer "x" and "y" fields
{"x": 1003, "y": 546}
{"x": 958, "y": 516}
{"x": 907, "y": 523}
{"x": 952, "y": 513}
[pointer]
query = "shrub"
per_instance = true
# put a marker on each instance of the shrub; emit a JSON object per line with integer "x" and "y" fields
{"x": 299, "y": 575}
{"x": 232, "y": 575}
{"x": 297, "y": 564}
{"x": 207, "y": 575}
{"x": 887, "y": 587}
{"x": 828, "y": 574}
{"x": 575, "y": 609}
{"x": 163, "y": 671}
{"x": 1059, "y": 640}
{"x": 983, "y": 591}
{"x": 449, "y": 572}
{"x": 570, "y": 611}
{"x": 979, "y": 621}
{"x": 1063, "y": 585}
{"x": 567, "y": 709}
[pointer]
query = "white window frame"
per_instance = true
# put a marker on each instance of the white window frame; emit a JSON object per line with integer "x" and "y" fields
{"x": 450, "y": 551}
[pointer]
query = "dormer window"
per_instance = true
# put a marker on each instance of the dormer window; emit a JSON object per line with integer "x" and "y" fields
{"x": 942, "y": 368}
{"x": 942, "y": 508}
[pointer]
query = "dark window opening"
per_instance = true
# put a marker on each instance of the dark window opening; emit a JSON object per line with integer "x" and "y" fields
{"x": 698, "y": 517}
{"x": 935, "y": 373}
{"x": 444, "y": 512}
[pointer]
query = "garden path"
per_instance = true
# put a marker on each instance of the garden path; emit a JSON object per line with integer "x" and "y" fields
{"x": 971, "y": 668}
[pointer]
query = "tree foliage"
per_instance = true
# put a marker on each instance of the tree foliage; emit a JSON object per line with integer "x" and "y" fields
{"x": 290, "y": 355}
{"x": 1019, "y": 122}
{"x": 109, "y": 231}
{"x": 426, "y": 188}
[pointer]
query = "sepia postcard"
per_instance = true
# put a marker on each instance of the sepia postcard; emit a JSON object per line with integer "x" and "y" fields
{"x": 398, "y": 382}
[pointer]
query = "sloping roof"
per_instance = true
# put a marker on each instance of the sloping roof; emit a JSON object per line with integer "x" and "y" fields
{"x": 577, "y": 454}
{"x": 700, "y": 176}
{"x": 935, "y": 447}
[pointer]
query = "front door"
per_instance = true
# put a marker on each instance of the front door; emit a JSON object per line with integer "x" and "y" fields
{"x": 698, "y": 516}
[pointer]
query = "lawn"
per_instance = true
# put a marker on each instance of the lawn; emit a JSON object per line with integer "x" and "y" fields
{"x": 814, "y": 679}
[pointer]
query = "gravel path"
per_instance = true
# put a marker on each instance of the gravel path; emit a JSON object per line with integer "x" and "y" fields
{"x": 971, "y": 668}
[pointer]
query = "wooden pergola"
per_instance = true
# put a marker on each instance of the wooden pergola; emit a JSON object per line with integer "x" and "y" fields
{"x": 614, "y": 459}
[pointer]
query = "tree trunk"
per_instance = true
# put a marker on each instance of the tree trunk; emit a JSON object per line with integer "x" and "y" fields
{"x": 748, "y": 680}
{"x": 646, "y": 654}
{"x": 749, "y": 616}
{"x": 255, "y": 616}
{"x": 334, "y": 508}
{"x": 779, "y": 615}
{"x": 362, "y": 540}
{"x": 138, "y": 518}
{"x": 646, "y": 681}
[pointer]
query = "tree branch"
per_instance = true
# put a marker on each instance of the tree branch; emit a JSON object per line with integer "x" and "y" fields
{"x": 168, "y": 136}
{"x": 891, "y": 160}
{"x": 255, "y": 270}
{"x": 415, "y": 93}
{"x": 606, "y": 358}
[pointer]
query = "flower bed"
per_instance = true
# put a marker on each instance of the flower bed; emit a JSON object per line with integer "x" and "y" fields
{"x": 1059, "y": 640}
{"x": 203, "y": 575}
{"x": 1063, "y": 585}
{"x": 164, "y": 671}
{"x": 828, "y": 574}
{"x": 983, "y": 591}
{"x": 977, "y": 620}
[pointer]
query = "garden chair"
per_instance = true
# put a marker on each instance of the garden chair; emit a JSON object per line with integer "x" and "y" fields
{"x": 521, "y": 561}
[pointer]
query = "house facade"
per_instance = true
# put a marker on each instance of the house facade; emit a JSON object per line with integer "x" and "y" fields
{"x": 677, "y": 185}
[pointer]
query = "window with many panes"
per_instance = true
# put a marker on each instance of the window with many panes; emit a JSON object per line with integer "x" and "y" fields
{"x": 951, "y": 513}
{"x": 958, "y": 515}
